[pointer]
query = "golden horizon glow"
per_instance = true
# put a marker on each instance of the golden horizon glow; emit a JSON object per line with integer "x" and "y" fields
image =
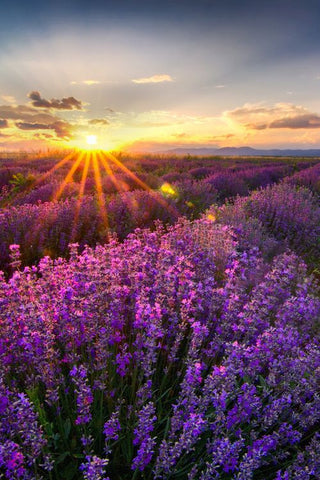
{"x": 250, "y": 124}
{"x": 91, "y": 143}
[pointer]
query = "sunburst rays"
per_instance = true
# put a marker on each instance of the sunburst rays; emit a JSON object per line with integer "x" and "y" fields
{"x": 100, "y": 192}
{"x": 69, "y": 177}
{"x": 80, "y": 196}
{"x": 142, "y": 184}
{"x": 99, "y": 164}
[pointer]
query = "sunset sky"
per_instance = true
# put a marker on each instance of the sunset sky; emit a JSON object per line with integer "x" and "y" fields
{"x": 154, "y": 75}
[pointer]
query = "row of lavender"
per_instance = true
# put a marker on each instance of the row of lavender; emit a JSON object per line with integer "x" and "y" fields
{"x": 290, "y": 214}
{"x": 48, "y": 227}
{"x": 190, "y": 353}
{"x": 229, "y": 176}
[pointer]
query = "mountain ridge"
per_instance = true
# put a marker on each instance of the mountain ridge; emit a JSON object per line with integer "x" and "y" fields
{"x": 244, "y": 151}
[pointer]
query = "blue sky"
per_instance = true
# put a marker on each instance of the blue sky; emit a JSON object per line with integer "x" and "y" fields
{"x": 152, "y": 74}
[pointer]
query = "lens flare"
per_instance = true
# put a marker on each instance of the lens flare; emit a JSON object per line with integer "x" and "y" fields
{"x": 167, "y": 189}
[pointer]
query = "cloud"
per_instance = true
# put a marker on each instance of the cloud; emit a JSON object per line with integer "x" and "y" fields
{"x": 43, "y": 135}
{"x": 180, "y": 135}
{"x": 154, "y": 79}
{"x": 25, "y": 113}
{"x": 220, "y": 86}
{"x": 220, "y": 138}
{"x": 19, "y": 112}
{"x": 32, "y": 126}
{"x": 280, "y": 115}
{"x": 86, "y": 82}
{"x": 99, "y": 121}
{"x": 299, "y": 121}
{"x": 3, "y": 123}
{"x": 30, "y": 118}
{"x": 249, "y": 110}
{"x": 67, "y": 103}
{"x": 8, "y": 98}
{"x": 61, "y": 128}
{"x": 258, "y": 126}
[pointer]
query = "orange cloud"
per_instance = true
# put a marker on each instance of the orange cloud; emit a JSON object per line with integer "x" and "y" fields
{"x": 98, "y": 121}
{"x": 280, "y": 115}
{"x": 8, "y": 98}
{"x": 86, "y": 82}
{"x": 154, "y": 79}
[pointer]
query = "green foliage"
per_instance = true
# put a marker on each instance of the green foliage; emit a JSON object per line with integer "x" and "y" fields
{"x": 21, "y": 182}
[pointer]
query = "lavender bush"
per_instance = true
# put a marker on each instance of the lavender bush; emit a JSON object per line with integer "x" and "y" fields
{"x": 309, "y": 178}
{"x": 188, "y": 351}
{"x": 289, "y": 214}
{"x": 228, "y": 184}
{"x": 171, "y": 355}
{"x": 190, "y": 197}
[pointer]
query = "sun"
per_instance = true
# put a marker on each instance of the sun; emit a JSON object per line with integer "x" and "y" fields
{"x": 91, "y": 142}
{"x": 91, "y": 139}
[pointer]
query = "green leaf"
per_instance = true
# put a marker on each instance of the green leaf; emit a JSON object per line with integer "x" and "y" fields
{"x": 67, "y": 428}
{"x": 78, "y": 455}
{"x": 62, "y": 457}
{"x": 70, "y": 471}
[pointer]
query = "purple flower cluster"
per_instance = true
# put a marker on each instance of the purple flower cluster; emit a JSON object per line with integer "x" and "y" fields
{"x": 177, "y": 352}
{"x": 290, "y": 215}
{"x": 42, "y": 226}
{"x": 142, "y": 437}
{"x": 83, "y": 393}
{"x": 22, "y": 440}
{"x": 189, "y": 351}
{"x": 309, "y": 178}
{"x": 94, "y": 468}
{"x": 232, "y": 182}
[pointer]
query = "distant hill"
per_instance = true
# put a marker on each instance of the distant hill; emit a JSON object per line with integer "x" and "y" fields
{"x": 245, "y": 152}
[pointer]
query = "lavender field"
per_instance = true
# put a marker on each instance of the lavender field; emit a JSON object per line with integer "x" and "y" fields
{"x": 159, "y": 317}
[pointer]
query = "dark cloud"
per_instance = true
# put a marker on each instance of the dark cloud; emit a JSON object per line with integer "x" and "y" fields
{"x": 62, "y": 129}
{"x": 299, "y": 121}
{"x": 99, "y": 121}
{"x": 3, "y": 123}
{"x": 32, "y": 126}
{"x": 67, "y": 103}
{"x": 29, "y": 118}
{"x": 43, "y": 135}
{"x": 25, "y": 113}
{"x": 295, "y": 122}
